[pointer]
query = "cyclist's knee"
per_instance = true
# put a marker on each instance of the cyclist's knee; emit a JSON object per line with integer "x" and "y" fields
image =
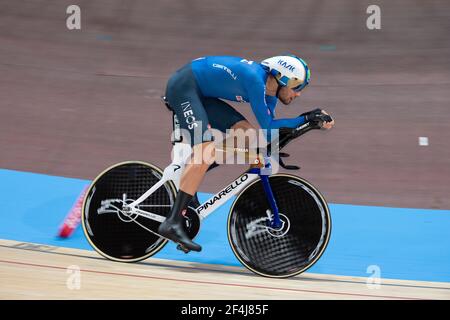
{"x": 245, "y": 133}
{"x": 244, "y": 125}
{"x": 204, "y": 153}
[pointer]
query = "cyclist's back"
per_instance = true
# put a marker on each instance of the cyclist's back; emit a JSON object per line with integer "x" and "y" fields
{"x": 231, "y": 78}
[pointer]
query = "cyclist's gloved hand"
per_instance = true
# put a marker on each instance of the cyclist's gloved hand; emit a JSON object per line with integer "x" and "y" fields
{"x": 316, "y": 115}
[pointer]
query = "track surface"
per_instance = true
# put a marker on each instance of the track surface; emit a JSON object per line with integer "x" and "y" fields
{"x": 30, "y": 271}
{"x": 75, "y": 102}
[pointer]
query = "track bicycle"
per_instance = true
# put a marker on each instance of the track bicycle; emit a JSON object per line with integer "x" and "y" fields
{"x": 278, "y": 225}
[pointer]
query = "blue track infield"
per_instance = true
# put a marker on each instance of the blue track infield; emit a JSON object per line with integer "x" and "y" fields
{"x": 408, "y": 244}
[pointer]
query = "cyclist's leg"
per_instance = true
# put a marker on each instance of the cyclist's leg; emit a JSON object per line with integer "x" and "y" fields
{"x": 247, "y": 138}
{"x": 223, "y": 117}
{"x": 184, "y": 98}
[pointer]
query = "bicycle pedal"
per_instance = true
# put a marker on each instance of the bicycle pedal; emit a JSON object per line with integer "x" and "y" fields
{"x": 183, "y": 248}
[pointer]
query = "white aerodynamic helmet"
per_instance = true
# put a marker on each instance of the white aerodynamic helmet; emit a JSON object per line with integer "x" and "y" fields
{"x": 290, "y": 71}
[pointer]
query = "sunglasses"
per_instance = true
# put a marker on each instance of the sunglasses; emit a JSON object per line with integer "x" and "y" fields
{"x": 298, "y": 85}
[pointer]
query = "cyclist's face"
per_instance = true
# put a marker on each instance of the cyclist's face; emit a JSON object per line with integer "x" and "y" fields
{"x": 287, "y": 95}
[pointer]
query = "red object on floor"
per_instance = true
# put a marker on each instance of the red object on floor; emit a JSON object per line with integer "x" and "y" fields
{"x": 73, "y": 218}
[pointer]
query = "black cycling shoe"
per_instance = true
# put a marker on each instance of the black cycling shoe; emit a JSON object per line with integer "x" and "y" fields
{"x": 194, "y": 202}
{"x": 174, "y": 231}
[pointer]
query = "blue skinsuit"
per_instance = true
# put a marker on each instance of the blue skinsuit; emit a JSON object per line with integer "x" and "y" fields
{"x": 236, "y": 79}
{"x": 196, "y": 93}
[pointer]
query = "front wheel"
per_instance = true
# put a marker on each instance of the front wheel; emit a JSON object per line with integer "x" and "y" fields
{"x": 291, "y": 249}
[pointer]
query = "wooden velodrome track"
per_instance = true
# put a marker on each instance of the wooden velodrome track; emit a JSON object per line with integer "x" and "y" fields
{"x": 31, "y": 271}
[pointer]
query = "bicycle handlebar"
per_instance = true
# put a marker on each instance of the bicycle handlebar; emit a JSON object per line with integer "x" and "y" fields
{"x": 286, "y": 135}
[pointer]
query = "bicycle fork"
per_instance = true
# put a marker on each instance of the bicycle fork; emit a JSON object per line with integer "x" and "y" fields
{"x": 264, "y": 173}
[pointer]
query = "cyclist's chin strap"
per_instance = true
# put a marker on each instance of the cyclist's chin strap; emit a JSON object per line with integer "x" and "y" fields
{"x": 278, "y": 90}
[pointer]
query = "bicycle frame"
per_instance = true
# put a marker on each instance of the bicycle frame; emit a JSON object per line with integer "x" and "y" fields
{"x": 173, "y": 172}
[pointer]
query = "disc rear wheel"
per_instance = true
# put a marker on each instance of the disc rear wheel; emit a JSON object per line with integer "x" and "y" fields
{"x": 113, "y": 232}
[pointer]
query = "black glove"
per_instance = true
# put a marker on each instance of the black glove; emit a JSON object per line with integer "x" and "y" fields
{"x": 316, "y": 115}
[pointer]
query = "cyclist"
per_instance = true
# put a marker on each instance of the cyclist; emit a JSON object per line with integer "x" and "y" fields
{"x": 195, "y": 94}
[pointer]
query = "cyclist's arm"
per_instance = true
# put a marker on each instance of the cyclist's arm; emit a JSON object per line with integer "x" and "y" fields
{"x": 265, "y": 117}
